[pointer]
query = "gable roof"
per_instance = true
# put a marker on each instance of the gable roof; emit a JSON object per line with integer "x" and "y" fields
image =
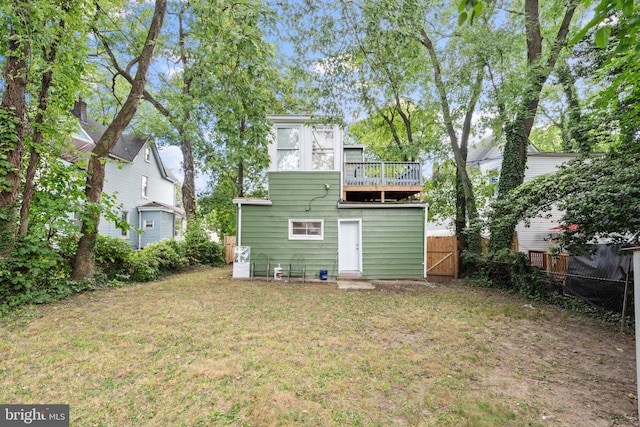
{"x": 489, "y": 149}
{"x": 127, "y": 147}
{"x": 157, "y": 206}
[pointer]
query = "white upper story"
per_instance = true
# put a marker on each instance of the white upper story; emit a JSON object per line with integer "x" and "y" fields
{"x": 298, "y": 144}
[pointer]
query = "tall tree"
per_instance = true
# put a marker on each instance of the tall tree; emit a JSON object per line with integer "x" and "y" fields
{"x": 220, "y": 81}
{"x": 241, "y": 92}
{"x": 517, "y": 125}
{"x": 60, "y": 48}
{"x": 13, "y": 109}
{"x": 85, "y": 256}
{"x": 384, "y": 56}
{"x": 43, "y": 43}
{"x": 466, "y": 209}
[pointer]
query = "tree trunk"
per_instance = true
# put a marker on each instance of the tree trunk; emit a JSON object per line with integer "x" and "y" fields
{"x": 188, "y": 166}
{"x": 84, "y": 259}
{"x": 13, "y": 109}
{"x": 512, "y": 175}
{"x": 240, "y": 183}
{"x": 472, "y": 240}
{"x": 461, "y": 224}
{"x": 189, "y": 185}
{"x": 34, "y": 155}
{"x": 517, "y": 131}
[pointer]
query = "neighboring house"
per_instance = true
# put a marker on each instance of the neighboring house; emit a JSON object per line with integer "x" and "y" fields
{"x": 488, "y": 158}
{"x": 338, "y": 213}
{"x": 134, "y": 173}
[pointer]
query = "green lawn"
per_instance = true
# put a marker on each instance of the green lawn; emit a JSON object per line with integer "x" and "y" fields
{"x": 201, "y": 349}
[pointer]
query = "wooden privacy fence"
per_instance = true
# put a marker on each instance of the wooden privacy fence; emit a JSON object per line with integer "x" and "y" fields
{"x": 229, "y": 246}
{"x": 555, "y": 265}
{"x": 442, "y": 256}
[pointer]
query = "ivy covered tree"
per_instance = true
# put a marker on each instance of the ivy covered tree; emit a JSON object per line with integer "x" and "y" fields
{"x": 84, "y": 261}
{"x": 542, "y": 53}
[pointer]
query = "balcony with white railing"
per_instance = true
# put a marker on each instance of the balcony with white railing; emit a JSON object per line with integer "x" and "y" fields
{"x": 382, "y": 181}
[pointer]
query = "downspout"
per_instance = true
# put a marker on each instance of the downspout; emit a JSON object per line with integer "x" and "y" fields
{"x": 139, "y": 227}
{"x": 426, "y": 218}
{"x": 239, "y": 224}
{"x": 636, "y": 291}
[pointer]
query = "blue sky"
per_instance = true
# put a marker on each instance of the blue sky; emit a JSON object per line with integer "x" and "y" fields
{"x": 172, "y": 159}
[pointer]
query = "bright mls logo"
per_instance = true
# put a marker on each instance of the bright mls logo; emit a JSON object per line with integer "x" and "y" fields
{"x": 34, "y": 415}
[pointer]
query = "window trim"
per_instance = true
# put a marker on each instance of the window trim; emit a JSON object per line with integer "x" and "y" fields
{"x": 144, "y": 187}
{"x": 298, "y": 150}
{"x": 124, "y": 215}
{"x": 306, "y": 236}
{"x": 147, "y": 222}
{"x": 330, "y": 152}
{"x": 178, "y": 223}
{"x": 147, "y": 154}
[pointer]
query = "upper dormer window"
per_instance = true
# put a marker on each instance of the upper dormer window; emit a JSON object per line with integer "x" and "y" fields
{"x": 288, "y": 146}
{"x": 323, "y": 148}
{"x": 147, "y": 154}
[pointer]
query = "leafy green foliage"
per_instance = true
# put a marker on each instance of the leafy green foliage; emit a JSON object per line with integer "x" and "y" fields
{"x": 600, "y": 195}
{"x": 33, "y": 273}
{"x": 200, "y": 249}
{"x": 170, "y": 254}
{"x": 112, "y": 256}
{"x": 440, "y": 190}
{"x": 510, "y": 270}
{"x": 144, "y": 266}
{"x": 391, "y": 143}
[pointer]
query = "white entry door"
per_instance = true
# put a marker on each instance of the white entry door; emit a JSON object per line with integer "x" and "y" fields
{"x": 349, "y": 250}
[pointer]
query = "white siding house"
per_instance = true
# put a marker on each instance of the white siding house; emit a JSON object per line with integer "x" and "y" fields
{"x": 489, "y": 158}
{"x": 141, "y": 185}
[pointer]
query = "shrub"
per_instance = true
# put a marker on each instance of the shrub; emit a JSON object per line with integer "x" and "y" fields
{"x": 143, "y": 266}
{"x": 32, "y": 272}
{"x": 169, "y": 254}
{"x": 510, "y": 270}
{"x": 200, "y": 249}
{"x": 112, "y": 256}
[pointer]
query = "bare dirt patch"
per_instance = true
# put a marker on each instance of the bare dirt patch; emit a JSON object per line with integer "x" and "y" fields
{"x": 575, "y": 370}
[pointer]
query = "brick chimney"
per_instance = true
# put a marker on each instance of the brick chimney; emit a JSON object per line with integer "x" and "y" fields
{"x": 80, "y": 110}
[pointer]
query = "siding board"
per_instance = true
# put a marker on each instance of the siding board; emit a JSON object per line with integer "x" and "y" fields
{"x": 392, "y": 238}
{"x": 295, "y": 195}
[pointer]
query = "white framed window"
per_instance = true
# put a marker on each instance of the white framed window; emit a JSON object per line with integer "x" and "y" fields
{"x": 148, "y": 224}
{"x": 147, "y": 154}
{"x": 322, "y": 153}
{"x": 177, "y": 230}
{"x": 306, "y": 229}
{"x": 125, "y": 219}
{"x": 288, "y": 147}
{"x": 145, "y": 186}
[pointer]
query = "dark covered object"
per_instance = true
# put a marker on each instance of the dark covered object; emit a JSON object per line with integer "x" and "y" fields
{"x": 600, "y": 277}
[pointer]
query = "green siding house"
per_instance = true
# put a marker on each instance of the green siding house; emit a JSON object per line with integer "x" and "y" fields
{"x": 330, "y": 210}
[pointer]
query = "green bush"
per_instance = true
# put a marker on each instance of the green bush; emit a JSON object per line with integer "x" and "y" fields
{"x": 169, "y": 254}
{"x": 200, "y": 249}
{"x": 32, "y": 272}
{"x": 147, "y": 264}
{"x": 112, "y": 256}
{"x": 509, "y": 270}
{"x": 143, "y": 266}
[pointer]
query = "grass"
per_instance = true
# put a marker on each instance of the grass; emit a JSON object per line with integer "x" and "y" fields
{"x": 199, "y": 349}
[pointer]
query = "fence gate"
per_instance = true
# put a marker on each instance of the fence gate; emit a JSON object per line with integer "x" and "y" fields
{"x": 229, "y": 245}
{"x": 442, "y": 257}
